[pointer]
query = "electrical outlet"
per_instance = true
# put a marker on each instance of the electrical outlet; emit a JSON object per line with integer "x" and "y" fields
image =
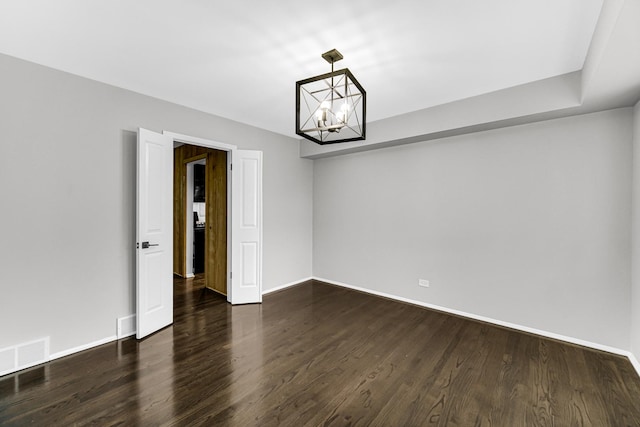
{"x": 424, "y": 283}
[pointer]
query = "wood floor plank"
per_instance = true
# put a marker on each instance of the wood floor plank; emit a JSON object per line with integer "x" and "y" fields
{"x": 622, "y": 407}
{"x": 317, "y": 354}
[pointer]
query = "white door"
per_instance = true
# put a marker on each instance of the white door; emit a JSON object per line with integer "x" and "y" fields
{"x": 154, "y": 233}
{"x": 246, "y": 227}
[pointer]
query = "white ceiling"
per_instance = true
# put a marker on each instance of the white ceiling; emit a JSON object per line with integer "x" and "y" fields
{"x": 240, "y": 59}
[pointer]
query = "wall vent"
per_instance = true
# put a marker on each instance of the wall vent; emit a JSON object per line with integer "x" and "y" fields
{"x": 126, "y": 326}
{"x": 24, "y": 355}
{"x": 7, "y": 360}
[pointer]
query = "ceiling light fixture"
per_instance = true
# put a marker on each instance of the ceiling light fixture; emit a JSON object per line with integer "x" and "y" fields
{"x": 331, "y": 107}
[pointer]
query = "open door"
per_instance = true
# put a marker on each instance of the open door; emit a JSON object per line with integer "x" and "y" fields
{"x": 154, "y": 233}
{"x": 246, "y": 227}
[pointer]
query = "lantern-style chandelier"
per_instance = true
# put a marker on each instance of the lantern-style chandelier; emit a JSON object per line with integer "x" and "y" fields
{"x": 332, "y": 107}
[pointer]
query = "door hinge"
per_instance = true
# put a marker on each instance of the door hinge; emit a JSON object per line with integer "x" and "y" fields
{"x": 231, "y": 275}
{"x": 230, "y": 166}
{"x": 137, "y": 245}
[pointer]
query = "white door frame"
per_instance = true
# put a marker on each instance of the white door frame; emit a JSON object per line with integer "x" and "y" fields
{"x": 189, "y": 220}
{"x": 192, "y": 140}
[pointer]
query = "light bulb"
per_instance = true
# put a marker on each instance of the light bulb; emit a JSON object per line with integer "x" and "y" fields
{"x": 321, "y": 114}
{"x": 343, "y": 113}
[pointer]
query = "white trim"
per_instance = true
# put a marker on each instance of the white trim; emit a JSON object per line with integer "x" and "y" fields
{"x": 628, "y": 354}
{"x": 190, "y": 276}
{"x": 188, "y": 213}
{"x": 230, "y": 149}
{"x": 83, "y": 347}
{"x": 286, "y": 285}
{"x": 527, "y": 329}
{"x": 50, "y": 357}
{"x": 634, "y": 361}
{"x": 187, "y": 139}
{"x": 22, "y": 368}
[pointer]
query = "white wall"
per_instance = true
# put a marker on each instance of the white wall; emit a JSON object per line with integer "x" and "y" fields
{"x": 635, "y": 293}
{"x": 527, "y": 224}
{"x": 67, "y": 183}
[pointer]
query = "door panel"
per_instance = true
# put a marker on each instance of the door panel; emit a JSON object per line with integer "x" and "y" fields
{"x": 154, "y": 232}
{"x": 246, "y": 227}
{"x": 216, "y": 239}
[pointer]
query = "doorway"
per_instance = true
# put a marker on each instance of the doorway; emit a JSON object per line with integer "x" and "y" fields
{"x": 200, "y": 215}
{"x": 155, "y": 244}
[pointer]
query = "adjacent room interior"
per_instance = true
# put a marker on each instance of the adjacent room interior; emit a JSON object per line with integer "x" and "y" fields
{"x": 200, "y": 215}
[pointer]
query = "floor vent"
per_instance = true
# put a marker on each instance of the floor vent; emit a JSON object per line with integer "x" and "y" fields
{"x": 24, "y": 355}
{"x": 126, "y": 326}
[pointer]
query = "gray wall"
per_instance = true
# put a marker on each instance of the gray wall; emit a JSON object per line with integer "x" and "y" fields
{"x": 67, "y": 182}
{"x": 635, "y": 294}
{"x": 529, "y": 224}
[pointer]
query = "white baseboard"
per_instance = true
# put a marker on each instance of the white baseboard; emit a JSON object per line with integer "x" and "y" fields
{"x": 509, "y": 325}
{"x": 28, "y": 360}
{"x": 287, "y": 285}
{"x": 634, "y": 362}
{"x": 190, "y": 275}
{"x": 83, "y": 347}
{"x": 626, "y": 353}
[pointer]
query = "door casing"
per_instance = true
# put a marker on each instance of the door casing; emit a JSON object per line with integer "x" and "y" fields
{"x": 244, "y": 199}
{"x": 186, "y": 139}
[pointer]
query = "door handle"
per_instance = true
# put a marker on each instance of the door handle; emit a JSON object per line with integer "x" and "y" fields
{"x": 146, "y": 245}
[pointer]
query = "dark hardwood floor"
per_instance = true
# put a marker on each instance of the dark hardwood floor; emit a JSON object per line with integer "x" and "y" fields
{"x": 316, "y": 354}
